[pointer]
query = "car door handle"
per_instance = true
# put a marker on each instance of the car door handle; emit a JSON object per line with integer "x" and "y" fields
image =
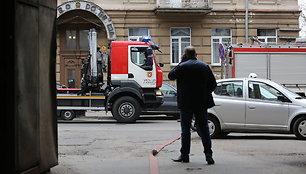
{"x": 252, "y": 107}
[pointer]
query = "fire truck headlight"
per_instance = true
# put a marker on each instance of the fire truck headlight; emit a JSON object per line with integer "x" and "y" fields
{"x": 158, "y": 92}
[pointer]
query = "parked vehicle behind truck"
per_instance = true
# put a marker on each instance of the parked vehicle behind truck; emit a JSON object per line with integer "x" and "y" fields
{"x": 132, "y": 84}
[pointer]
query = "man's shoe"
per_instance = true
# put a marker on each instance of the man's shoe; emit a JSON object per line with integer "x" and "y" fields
{"x": 210, "y": 160}
{"x": 181, "y": 159}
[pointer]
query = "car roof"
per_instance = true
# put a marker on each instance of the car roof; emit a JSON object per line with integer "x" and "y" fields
{"x": 253, "y": 79}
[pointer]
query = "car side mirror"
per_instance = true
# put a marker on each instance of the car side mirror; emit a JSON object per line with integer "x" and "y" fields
{"x": 302, "y": 94}
{"x": 283, "y": 98}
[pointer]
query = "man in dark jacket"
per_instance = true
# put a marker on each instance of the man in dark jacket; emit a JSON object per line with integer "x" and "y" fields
{"x": 195, "y": 83}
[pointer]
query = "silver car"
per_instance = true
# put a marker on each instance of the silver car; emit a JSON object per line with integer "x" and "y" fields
{"x": 256, "y": 105}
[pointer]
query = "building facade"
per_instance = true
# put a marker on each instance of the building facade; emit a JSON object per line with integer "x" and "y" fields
{"x": 173, "y": 25}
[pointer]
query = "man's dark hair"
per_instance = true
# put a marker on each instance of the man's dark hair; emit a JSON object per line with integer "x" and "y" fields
{"x": 189, "y": 53}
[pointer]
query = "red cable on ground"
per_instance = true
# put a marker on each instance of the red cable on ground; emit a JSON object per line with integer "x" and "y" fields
{"x": 158, "y": 149}
{"x": 153, "y": 164}
{"x": 152, "y": 155}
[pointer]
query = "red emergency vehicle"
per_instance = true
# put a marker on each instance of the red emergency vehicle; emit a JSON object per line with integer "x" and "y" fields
{"x": 284, "y": 64}
{"x": 132, "y": 85}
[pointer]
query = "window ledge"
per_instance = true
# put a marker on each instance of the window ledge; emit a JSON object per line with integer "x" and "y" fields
{"x": 215, "y": 64}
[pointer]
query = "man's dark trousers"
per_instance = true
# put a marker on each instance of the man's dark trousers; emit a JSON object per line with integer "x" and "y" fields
{"x": 201, "y": 120}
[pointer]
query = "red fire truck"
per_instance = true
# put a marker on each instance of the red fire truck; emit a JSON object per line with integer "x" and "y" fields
{"x": 132, "y": 84}
{"x": 284, "y": 64}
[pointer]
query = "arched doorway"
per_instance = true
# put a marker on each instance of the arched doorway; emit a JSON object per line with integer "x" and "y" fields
{"x": 74, "y": 19}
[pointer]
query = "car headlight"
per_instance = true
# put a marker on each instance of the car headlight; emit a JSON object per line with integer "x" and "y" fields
{"x": 158, "y": 92}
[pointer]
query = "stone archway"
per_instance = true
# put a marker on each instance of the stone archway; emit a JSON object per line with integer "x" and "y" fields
{"x": 92, "y": 8}
{"x": 74, "y": 18}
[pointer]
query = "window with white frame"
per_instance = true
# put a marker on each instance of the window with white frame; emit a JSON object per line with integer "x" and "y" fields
{"x": 180, "y": 38}
{"x": 267, "y": 36}
{"x": 219, "y": 35}
{"x": 136, "y": 33}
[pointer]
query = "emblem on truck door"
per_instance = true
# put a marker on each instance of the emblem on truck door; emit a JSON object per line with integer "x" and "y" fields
{"x": 149, "y": 74}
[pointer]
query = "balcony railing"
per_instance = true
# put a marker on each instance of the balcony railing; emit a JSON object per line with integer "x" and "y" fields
{"x": 183, "y": 5}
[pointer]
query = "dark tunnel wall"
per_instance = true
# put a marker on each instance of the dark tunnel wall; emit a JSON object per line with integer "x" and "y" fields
{"x": 30, "y": 121}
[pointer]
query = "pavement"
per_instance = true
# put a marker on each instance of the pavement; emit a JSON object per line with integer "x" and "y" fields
{"x": 96, "y": 144}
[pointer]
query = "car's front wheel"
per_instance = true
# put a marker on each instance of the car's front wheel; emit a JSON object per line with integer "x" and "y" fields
{"x": 213, "y": 126}
{"x": 299, "y": 128}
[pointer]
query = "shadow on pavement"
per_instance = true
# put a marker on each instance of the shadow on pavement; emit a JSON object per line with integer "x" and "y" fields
{"x": 110, "y": 120}
{"x": 159, "y": 117}
{"x": 253, "y": 136}
{"x": 87, "y": 121}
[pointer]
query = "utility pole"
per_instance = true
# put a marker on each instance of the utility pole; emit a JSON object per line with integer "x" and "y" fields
{"x": 246, "y": 21}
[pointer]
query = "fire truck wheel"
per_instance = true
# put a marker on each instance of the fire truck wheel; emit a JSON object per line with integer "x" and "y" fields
{"x": 67, "y": 115}
{"x": 126, "y": 109}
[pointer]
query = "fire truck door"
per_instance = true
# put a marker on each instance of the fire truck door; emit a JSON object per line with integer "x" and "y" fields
{"x": 141, "y": 66}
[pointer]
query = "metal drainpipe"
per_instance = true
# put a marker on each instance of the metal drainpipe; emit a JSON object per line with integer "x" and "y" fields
{"x": 246, "y": 21}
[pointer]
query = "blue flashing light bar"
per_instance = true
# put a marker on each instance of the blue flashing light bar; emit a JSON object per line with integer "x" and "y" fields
{"x": 145, "y": 39}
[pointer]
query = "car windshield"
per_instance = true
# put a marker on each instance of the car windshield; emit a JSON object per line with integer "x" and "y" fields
{"x": 293, "y": 94}
{"x": 167, "y": 89}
